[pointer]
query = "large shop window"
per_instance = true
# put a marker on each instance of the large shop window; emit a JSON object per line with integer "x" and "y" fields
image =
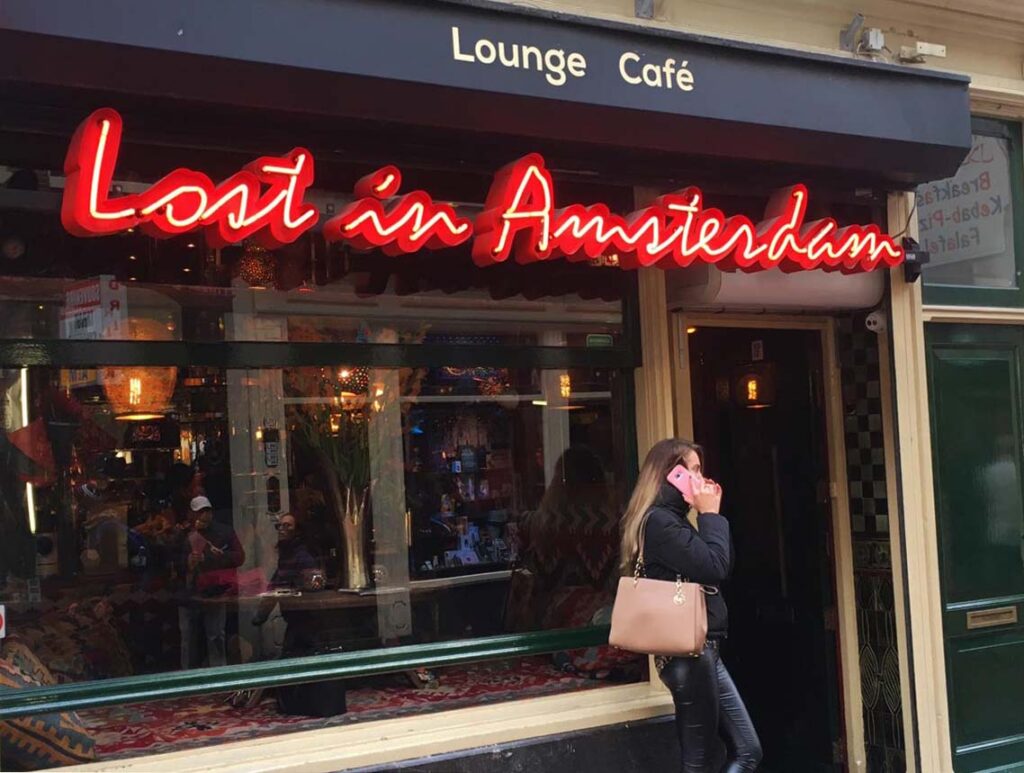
{"x": 970, "y": 223}
{"x": 215, "y": 461}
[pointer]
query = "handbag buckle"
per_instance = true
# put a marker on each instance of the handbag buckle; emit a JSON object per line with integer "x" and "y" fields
{"x": 679, "y": 598}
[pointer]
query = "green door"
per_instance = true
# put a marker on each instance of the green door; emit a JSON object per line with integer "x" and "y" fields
{"x": 975, "y": 375}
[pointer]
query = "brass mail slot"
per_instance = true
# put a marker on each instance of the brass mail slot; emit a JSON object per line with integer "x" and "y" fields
{"x": 989, "y": 618}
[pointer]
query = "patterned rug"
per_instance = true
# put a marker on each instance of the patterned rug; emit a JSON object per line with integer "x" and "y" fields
{"x": 186, "y": 723}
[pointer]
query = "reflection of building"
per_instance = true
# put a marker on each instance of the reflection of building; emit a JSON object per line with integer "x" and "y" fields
{"x": 417, "y": 410}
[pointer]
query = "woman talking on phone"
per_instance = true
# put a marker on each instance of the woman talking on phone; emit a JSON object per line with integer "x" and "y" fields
{"x": 691, "y": 540}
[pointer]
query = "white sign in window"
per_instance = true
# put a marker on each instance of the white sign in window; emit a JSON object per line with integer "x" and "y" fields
{"x": 966, "y": 221}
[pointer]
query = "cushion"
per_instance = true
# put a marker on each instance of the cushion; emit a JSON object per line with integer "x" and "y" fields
{"x": 78, "y": 643}
{"x": 41, "y": 740}
{"x": 50, "y": 637}
{"x": 105, "y": 652}
{"x": 20, "y": 655}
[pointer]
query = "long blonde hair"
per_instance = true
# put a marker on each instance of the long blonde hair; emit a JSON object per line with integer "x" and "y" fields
{"x": 663, "y": 456}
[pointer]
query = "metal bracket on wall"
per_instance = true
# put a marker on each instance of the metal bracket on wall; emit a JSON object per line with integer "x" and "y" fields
{"x": 848, "y": 36}
{"x": 643, "y": 9}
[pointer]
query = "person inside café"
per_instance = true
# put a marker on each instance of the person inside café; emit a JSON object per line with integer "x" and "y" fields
{"x": 297, "y": 569}
{"x": 208, "y": 558}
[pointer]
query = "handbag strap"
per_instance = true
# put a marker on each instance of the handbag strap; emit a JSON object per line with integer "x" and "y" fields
{"x": 638, "y": 569}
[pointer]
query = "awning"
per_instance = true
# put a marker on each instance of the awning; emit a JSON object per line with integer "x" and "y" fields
{"x": 489, "y": 67}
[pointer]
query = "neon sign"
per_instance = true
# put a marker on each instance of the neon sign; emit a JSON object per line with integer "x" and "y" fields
{"x": 675, "y": 230}
{"x": 519, "y": 220}
{"x": 263, "y": 201}
{"x": 411, "y": 223}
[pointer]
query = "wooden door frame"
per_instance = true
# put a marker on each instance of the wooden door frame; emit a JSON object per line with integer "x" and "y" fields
{"x": 842, "y": 536}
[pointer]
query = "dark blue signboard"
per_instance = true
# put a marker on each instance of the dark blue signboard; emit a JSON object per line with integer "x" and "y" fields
{"x": 667, "y": 90}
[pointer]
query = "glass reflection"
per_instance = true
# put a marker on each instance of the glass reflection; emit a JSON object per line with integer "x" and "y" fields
{"x": 277, "y": 512}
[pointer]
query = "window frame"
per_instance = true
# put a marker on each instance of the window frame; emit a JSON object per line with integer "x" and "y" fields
{"x": 961, "y": 295}
{"x": 626, "y": 357}
{"x": 275, "y": 673}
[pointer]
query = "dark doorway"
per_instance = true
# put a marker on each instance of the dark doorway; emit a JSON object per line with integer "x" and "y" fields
{"x": 758, "y": 409}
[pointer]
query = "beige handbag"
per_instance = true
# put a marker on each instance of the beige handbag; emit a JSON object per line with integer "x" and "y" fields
{"x": 658, "y": 617}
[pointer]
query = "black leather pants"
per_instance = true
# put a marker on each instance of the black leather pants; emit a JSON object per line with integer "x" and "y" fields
{"x": 709, "y": 707}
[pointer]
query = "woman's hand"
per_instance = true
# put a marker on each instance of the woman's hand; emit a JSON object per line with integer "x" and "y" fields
{"x": 708, "y": 498}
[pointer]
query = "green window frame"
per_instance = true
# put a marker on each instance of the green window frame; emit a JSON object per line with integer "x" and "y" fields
{"x": 950, "y": 295}
{"x": 177, "y": 684}
{"x": 274, "y": 673}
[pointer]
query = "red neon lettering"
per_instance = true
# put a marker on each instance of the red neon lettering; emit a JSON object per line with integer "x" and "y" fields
{"x": 413, "y": 222}
{"x": 519, "y": 219}
{"x": 517, "y": 214}
{"x": 263, "y": 201}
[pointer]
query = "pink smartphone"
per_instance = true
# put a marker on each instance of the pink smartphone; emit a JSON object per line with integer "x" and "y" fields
{"x": 685, "y": 481}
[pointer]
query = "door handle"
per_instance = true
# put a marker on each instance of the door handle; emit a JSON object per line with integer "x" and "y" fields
{"x": 991, "y": 618}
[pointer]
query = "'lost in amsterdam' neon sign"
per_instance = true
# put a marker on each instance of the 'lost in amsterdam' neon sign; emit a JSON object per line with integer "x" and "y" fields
{"x": 264, "y": 201}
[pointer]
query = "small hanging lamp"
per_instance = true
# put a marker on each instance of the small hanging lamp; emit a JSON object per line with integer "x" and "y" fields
{"x": 257, "y": 267}
{"x": 141, "y": 393}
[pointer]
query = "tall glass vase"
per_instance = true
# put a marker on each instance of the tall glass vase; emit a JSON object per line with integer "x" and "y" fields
{"x": 351, "y": 517}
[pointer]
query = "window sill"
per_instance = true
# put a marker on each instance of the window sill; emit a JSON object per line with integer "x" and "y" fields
{"x": 385, "y": 741}
{"x": 992, "y": 315}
